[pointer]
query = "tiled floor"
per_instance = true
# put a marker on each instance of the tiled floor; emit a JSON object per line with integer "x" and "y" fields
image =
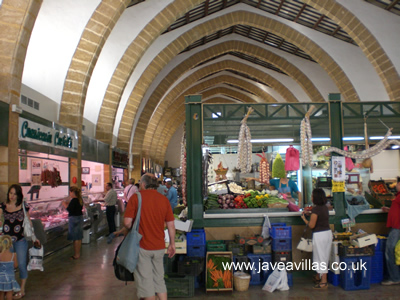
{"x": 92, "y": 277}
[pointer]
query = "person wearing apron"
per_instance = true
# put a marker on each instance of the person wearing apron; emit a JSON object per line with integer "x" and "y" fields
{"x": 288, "y": 187}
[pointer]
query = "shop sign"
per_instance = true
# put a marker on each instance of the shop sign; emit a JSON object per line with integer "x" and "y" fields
{"x": 120, "y": 158}
{"x": 43, "y": 135}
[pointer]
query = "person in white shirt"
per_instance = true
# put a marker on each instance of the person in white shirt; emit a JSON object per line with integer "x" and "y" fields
{"x": 110, "y": 201}
{"x": 130, "y": 190}
{"x": 162, "y": 189}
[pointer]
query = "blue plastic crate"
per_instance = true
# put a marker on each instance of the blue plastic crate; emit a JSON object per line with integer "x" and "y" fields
{"x": 377, "y": 267}
{"x": 381, "y": 245}
{"x": 241, "y": 262}
{"x": 278, "y": 224}
{"x": 197, "y": 237}
{"x": 259, "y": 260}
{"x": 333, "y": 278}
{"x": 281, "y": 232}
{"x": 290, "y": 279}
{"x": 282, "y": 256}
{"x": 196, "y": 251}
{"x": 354, "y": 277}
{"x": 282, "y": 244}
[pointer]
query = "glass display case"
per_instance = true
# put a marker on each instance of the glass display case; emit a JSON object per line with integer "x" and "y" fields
{"x": 53, "y": 219}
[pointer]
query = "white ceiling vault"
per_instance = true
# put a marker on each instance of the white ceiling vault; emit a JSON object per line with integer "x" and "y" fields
{"x": 261, "y": 50}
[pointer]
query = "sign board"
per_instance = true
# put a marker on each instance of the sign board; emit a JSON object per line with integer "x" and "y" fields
{"x": 36, "y": 133}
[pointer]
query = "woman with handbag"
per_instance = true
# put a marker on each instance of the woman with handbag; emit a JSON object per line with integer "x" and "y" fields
{"x": 322, "y": 237}
{"x": 13, "y": 226}
{"x": 75, "y": 219}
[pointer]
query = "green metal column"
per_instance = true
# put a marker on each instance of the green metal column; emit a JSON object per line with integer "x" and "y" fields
{"x": 194, "y": 138}
{"x": 336, "y": 135}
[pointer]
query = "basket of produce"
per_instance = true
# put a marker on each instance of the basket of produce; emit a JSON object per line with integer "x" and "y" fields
{"x": 340, "y": 236}
{"x": 346, "y": 250}
{"x": 241, "y": 281}
{"x": 219, "y": 278}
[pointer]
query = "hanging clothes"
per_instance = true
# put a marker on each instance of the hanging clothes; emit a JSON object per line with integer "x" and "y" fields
{"x": 292, "y": 161}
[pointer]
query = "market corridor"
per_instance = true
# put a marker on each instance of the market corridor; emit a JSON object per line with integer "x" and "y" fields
{"x": 92, "y": 278}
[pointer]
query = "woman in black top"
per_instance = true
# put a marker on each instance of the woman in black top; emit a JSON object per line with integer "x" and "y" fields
{"x": 322, "y": 237}
{"x": 75, "y": 219}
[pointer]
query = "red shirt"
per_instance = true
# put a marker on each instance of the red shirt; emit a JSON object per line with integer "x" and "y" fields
{"x": 393, "y": 219}
{"x": 156, "y": 210}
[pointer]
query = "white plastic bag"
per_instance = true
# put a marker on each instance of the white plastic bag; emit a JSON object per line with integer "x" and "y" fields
{"x": 35, "y": 259}
{"x": 283, "y": 285}
{"x": 265, "y": 228}
{"x": 277, "y": 280}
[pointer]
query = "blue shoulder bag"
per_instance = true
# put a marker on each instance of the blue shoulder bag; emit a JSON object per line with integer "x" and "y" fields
{"x": 128, "y": 253}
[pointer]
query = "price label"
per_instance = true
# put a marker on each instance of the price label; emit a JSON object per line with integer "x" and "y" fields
{"x": 338, "y": 186}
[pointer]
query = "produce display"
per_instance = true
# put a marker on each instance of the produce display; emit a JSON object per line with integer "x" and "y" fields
{"x": 250, "y": 199}
{"x": 380, "y": 188}
{"x": 234, "y": 188}
{"x": 217, "y": 277}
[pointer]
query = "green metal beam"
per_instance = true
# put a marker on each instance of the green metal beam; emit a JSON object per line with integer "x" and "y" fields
{"x": 194, "y": 138}
{"x": 336, "y": 135}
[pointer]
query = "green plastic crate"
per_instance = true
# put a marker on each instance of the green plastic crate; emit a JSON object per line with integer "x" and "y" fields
{"x": 216, "y": 245}
{"x": 170, "y": 264}
{"x": 179, "y": 286}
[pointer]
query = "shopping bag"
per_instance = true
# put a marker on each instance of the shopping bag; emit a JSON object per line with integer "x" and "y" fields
{"x": 283, "y": 285}
{"x": 305, "y": 244}
{"x": 35, "y": 259}
{"x": 274, "y": 280}
{"x": 397, "y": 253}
{"x": 120, "y": 271}
{"x": 28, "y": 229}
{"x": 128, "y": 254}
{"x": 265, "y": 228}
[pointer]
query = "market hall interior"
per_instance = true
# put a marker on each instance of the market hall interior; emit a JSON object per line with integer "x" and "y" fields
{"x": 92, "y": 277}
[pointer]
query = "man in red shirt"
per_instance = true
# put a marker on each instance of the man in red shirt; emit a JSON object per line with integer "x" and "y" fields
{"x": 155, "y": 212}
{"x": 393, "y": 222}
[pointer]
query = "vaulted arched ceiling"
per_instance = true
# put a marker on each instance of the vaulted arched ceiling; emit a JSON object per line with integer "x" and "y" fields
{"x": 285, "y": 47}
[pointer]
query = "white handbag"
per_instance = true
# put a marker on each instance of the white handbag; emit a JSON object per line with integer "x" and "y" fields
{"x": 305, "y": 244}
{"x": 28, "y": 229}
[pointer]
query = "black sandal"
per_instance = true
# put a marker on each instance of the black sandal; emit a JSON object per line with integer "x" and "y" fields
{"x": 321, "y": 286}
{"x": 316, "y": 278}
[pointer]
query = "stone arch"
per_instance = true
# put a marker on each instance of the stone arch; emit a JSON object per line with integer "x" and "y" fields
{"x": 84, "y": 60}
{"x": 243, "y": 47}
{"x": 365, "y": 40}
{"x": 327, "y": 63}
{"x": 17, "y": 21}
{"x": 151, "y": 137}
{"x": 128, "y": 62}
{"x": 218, "y": 100}
{"x": 176, "y": 92}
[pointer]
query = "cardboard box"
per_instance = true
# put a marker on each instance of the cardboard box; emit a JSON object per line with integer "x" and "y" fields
{"x": 364, "y": 240}
{"x": 180, "y": 247}
{"x": 184, "y": 226}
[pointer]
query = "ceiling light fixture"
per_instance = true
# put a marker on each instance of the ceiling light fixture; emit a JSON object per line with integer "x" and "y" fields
{"x": 255, "y": 141}
{"x": 393, "y": 137}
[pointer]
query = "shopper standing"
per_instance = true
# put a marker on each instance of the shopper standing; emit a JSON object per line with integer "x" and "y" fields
{"x": 110, "y": 201}
{"x": 130, "y": 189}
{"x": 172, "y": 195}
{"x": 322, "y": 237}
{"x": 75, "y": 219}
{"x": 155, "y": 211}
{"x": 162, "y": 189}
{"x": 13, "y": 226}
{"x": 393, "y": 222}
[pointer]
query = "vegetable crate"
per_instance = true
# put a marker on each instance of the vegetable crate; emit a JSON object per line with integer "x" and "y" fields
{"x": 241, "y": 262}
{"x": 379, "y": 190}
{"x": 261, "y": 268}
{"x": 197, "y": 237}
{"x": 282, "y": 244}
{"x": 377, "y": 267}
{"x": 219, "y": 279}
{"x": 346, "y": 250}
{"x": 281, "y": 256}
{"x": 170, "y": 264}
{"x": 180, "y": 247}
{"x": 251, "y": 240}
{"x": 216, "y": 245}
{"x": 257, "y": 249}
{"x": 356, "y": 277}
{"x": 281, "y": 232}
{"x": 179, "y": 286}
{"x": 192, "y": 266}
{"x": 196, "y": 251}
{"x": 237, "y": 249}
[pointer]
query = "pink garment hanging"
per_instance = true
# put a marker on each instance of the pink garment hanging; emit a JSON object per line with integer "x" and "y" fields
{"x": 292, "y": 161}
{"x": 349, "y": 162}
